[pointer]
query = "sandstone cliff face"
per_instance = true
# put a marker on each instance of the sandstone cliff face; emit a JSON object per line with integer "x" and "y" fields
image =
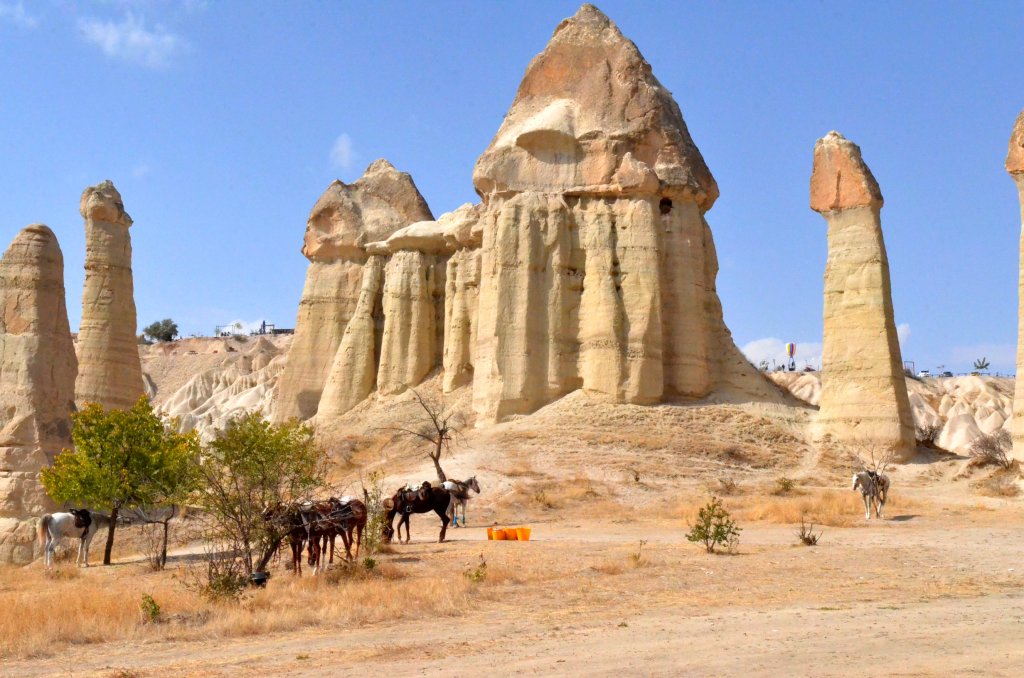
{"x": 37, "y": 382}
{"x": 597, "y": 267}
{"x": 343, "y": 221}
{"x": 1015, "y": 166}
{"x": 109, "y": 370}
{"x": 864, "y": 392}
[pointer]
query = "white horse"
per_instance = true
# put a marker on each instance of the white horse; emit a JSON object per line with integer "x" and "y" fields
{"x": 459, "y": 489}
{"x": 79, "y": 523}
{"x": 874, "y": 489}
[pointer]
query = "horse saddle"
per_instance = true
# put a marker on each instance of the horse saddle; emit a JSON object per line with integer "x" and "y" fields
{"x": 411, "y": 493}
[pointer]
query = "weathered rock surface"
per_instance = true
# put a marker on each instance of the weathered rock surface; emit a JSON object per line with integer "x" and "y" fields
{"x": 344, "y": 220}
{"x": 1015, "y": 166}
{"x": 864, "y": 392}
{"x": 597, "y": 266}
{"x": 37, "y": 382}
{"x": 109, "y": 371}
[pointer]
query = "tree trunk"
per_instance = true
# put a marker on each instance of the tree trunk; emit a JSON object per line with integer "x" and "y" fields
{"x": 110, "y": 537}
{"x": 436, "y": 458}
{"x": 163, "y": 547}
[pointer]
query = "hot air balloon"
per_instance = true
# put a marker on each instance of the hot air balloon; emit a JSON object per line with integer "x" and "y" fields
{"x": 791, "y": 352}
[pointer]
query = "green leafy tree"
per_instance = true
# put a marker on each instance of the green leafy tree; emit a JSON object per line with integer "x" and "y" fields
{"x": 253, "y": 467}
{"x": 981, "y": 364}
{"x": 162, "y": 330}
{"x": 122, "y": 459}
{"x": 714, "y": 527}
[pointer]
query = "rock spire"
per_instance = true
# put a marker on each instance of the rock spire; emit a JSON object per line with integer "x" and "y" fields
{"x": 864, "y": 392}
{"x": 37, "y": 382}
{"x": 1015, "y": 166}
{"x": 597, "y": 268}
{"x": 344, "y": 220}
{"x": 109, "y": 369}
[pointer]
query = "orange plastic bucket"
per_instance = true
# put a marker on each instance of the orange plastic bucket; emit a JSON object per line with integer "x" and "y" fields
{"x": 523, "y": 533}
{"x": 510, "y": 534}
{"x": 498, "y": 534}
{"x": 490, "y": 533}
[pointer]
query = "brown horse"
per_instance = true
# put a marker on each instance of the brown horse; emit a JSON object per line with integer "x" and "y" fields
{"x": 407, "y": 502}
{"x": 325, "y": 520}
{"x": 286, "y": 521}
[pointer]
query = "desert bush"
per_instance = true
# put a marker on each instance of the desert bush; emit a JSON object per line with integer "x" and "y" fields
{"x": 991, "y": 450}
{"x": 714, "y": 527}
{"x": 478, "y": 573}
{"x": 727, "y": 486}
{"x": 376, "y": 514}
{"x": 806, "y": 533}
{"x": 637, "y": 557}
{"x": 928, "y": 435}
{"x": 783, "y": 486}
{"x": 150, "y": 609}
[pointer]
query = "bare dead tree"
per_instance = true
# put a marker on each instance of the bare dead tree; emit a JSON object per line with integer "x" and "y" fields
{"x": 438, "y": 429}
{"x": 871, "y": 456}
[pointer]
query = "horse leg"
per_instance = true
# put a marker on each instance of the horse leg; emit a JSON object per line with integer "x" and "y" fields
{"x": 48, "y": 551}
{"x": 346, "y": 541}
{"x": 333, "y": 536}
{"x": 359, "y": 538}
{"x": 867, "y": 507}
{"x": 444, "y": 524}
{"x": 405, "y": 520}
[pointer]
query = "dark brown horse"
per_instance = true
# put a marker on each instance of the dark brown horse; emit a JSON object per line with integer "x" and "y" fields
{"x": 286, "y": 521}
{"x": 407, "y": 502}
{"x": 326, "y": 520}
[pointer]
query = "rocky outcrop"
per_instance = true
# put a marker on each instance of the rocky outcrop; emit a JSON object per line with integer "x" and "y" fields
{"x": 37, "y": 382}
{"x": 345, "y": 219}
{"x": 462, "y": 295}
{"x": 597, "y": 268}
{"x": 109, "y": 370}
{"x": 1015, "y": 166}
{"x": 863, "y": 392}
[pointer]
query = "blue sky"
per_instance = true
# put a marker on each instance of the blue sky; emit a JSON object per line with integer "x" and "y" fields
{"x": 222, "y": 122}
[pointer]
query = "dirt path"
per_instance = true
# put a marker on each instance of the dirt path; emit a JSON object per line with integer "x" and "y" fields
{"x": 928, "y": 593}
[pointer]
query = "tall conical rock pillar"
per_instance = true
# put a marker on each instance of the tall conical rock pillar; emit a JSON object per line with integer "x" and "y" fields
{"x": 863, "y": 388}
{"x": 345, "y": 219}
{"x": 109, "y": 368}
{"x": 1015, "y": 166}
{"x": 597, "y": 269}
{"x": 37, "y": 382}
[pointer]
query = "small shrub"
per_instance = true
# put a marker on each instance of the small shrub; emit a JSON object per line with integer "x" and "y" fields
{"x": 806, "y": 533}
{"x": 783, "y": 486}
{"x": 376, "y": 515}
{"x": 369, "y": 563}
{"x": 224, "y": 577}
{"x": 150, "y": 609}
{"x": 637, "y": 558}
{"x": 928, "y": 435}
{"x": 541, "y": 497}
{"x": 714, "y": 527}
{"x": 727, "y": 486}
{"x": 478, "y": 573}
{"x": 991, "y": 450}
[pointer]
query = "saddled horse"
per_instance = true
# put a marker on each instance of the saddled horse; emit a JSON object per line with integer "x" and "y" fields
{"x": 326, "y": 520}
{"x": 421, "y": 500}
{"x": 874, "y": 489}
{"x": 81, "y": 524}
{"x": 459, "y": 490}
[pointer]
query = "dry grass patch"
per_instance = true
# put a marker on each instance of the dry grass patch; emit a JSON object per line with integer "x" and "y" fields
{"x": 833, "y": 508}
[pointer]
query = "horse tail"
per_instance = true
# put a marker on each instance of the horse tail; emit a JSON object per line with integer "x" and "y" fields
{"x": 43, "y": 528}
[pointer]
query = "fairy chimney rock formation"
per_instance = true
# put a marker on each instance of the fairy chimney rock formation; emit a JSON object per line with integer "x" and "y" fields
{"x": 1015, "y": 166}
{"x": 37, "y": 382}
{"x": 597, "y": 269}
{"x": 109, "y": 369}
{"x": 864, "y": 392}
{"x": 344, "y": 221}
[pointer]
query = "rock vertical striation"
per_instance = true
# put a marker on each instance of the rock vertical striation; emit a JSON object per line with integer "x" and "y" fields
{"x": 597, "y": 267}
{"x": 343, "y": 221}
{"x": 109, "y": 368}
{"x": 37, "y": 382}
{"x": 863, "y": 392}
{"x": 1015, "y": 166}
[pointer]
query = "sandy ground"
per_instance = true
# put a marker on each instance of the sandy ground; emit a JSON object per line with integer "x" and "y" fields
{"x": 932, "y": 591}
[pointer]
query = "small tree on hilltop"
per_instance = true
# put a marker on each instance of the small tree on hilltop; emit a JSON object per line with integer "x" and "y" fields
{"x": 122, "y": 459}
{"x": 981, "y": 364}
{"x": 436, "y": 428}
{"x": 162, "y": 330}
{"x": 251, "y": 467}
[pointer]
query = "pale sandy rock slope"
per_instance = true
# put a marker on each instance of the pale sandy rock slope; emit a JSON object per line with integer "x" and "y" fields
{"x": 963, "y": 407}
{"x": 206, "y": 382}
